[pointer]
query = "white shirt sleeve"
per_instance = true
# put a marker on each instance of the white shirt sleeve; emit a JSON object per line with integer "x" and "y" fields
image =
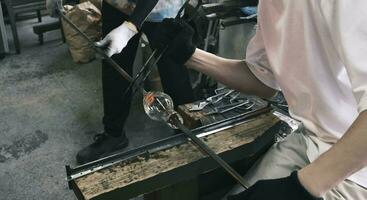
{"x": 257, "y": 61}
{"x": 347, "y": 24}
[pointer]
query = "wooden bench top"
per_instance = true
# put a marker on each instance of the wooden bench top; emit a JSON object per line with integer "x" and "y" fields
{"x": 167, "y": 166}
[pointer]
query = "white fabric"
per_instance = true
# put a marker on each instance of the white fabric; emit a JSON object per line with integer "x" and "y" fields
{"x": 315, "y": 52}
{"x": 289, "y": 155}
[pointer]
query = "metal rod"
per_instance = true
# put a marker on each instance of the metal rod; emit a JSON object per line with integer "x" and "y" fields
{"x": 140, "y": 73}
{"x": 156, "y": 53}
{"x": 147, "y": 69}
{"x": 174, "y": 119}
{"x": 163, "y": 144}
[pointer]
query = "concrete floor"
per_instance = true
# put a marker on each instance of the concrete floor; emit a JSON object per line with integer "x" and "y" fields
{"x": 50, "y": 108}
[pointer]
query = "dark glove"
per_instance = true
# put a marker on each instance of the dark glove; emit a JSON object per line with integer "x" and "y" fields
{"x": 288, "y": 188}
{"x": 178, "y": 35}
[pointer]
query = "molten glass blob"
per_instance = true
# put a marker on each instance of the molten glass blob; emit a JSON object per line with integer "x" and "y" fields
{"x": 159, "y": 106}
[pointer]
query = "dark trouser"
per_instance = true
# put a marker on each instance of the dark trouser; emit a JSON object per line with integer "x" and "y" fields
{"x": 175, "y": 79}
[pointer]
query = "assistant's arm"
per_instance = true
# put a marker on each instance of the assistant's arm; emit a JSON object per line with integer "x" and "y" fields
{"x": 232, "y": 73}
{"x": 177, "y": 34}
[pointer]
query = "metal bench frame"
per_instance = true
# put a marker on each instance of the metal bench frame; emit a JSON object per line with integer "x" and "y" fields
{"x": 23, "y": 6}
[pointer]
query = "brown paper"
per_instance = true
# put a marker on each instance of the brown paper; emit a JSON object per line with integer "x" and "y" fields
{"x": 96, "y": 3}
{"x": 87, "y": 17}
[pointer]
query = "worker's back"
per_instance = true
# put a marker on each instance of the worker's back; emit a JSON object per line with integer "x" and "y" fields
{"x": 314, "y": 50}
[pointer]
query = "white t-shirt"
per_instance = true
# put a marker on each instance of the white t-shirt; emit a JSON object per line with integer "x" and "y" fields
{"x": 315, "y": 51}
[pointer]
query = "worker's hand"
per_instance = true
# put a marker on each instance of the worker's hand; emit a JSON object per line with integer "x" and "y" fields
{"x": 117, "y": 39}
{"x": 288, "y": 188}
{"x": 178, "y": 35}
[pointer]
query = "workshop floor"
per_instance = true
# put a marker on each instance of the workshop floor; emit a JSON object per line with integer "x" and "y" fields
{"x": 50, "y": 108}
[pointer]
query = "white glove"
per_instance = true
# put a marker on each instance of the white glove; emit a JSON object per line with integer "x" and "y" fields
{"x": 117, "y": 39}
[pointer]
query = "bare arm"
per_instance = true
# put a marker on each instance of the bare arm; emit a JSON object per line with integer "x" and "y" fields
{"x": 349, "y": 154}
{"x": 233, "y": 73}
{"x": 346, "y": 157}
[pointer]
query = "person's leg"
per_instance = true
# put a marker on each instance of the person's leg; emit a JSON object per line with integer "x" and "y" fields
{"x": 280, "y": 161}
{"x": 289, "y": 155}
{"x": 347, "y": 190}
{"x": 175, "y": 78}
{"x": 116, "y": 105}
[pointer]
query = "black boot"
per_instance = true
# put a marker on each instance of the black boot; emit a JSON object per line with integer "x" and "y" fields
{"x": 103, "y": 145}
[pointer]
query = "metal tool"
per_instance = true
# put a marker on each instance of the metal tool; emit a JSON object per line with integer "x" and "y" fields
{"x": 222, "y": 110}
{"x": 210, "y": 100}
{"x": 231, "y": 105}
{"x": 174, "y": 119}
{"x": 205, "y": 149}
{"x": 217, "y": 91}
{"x": 222, "y": 97}
{"x": 235, "y": 97}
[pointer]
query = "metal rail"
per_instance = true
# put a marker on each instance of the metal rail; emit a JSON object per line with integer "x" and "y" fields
{"x": 147, "y": 150}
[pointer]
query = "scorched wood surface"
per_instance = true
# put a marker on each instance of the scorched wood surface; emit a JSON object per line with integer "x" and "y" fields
{"x": 122, "y": 175}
